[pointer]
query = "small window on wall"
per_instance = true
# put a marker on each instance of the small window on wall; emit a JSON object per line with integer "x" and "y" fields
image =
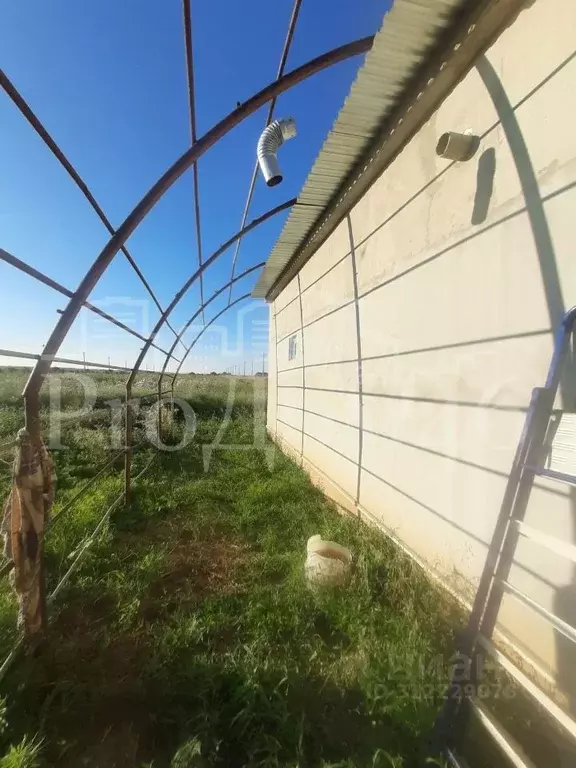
{"x": 292, "y": 347}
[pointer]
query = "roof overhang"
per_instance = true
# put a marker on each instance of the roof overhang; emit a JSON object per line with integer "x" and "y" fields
{"x": 424, "y": 48}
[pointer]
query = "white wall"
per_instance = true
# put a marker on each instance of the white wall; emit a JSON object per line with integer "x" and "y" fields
{"x": 426, "y": 319}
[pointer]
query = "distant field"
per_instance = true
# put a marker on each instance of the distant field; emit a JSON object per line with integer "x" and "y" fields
{"x": 188, "y": 636}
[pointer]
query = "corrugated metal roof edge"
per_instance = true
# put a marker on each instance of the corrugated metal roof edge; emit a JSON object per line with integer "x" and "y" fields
{"x": 473, "y": 31}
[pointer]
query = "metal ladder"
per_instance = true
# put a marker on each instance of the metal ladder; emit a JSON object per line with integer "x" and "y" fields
{"x": 461, "y": 703}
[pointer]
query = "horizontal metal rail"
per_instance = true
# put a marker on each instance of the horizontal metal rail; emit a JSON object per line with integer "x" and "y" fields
{"x": 67, "y": 507}
{"x": 455, "y": 760}
{"x": 68, "y": 361}
{"x": 9, "y": 660}
{"x": 551, "y": 474}
{"x": 84, "y": 548}
{"x": 87, "y": 543}
{"x": 33, "y": 120}
{"x": 503, "y": 740}
{"x": 42, "y": 278}
{"x": 562, "y": 548}
{"x": 9, "y": 565}
{"x": 541, "y": 698}
{"x": 563, "y": 627}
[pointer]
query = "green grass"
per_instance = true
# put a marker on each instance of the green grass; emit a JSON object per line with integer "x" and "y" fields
{"x": 188, "y": 637}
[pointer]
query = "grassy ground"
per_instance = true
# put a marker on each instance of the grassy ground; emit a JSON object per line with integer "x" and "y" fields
{"x": 189, "y": 638}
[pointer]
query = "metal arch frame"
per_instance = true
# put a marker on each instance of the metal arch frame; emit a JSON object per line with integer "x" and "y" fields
{"x": 196, "y": 275}
{"x": 213, "y": 320}
{"x": 99, "y": 266}
{"x": 200, "y": 311}
{"x": 282, "y": 65}
{"x": 189, "y": 48}
{"x": 121, "y": 235}
{"x": 24, "y": 108}
{"x": 241, "y": 233}
{"x": 8, "y": 258}
{"x": 79, "y": 298}
{"x": 129, "y": 420}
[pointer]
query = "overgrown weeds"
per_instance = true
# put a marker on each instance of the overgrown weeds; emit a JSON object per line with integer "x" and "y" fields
{"x": 189, "y": 638}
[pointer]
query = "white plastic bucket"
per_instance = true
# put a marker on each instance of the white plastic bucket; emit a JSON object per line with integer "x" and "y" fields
{"x": 327, "y": 563}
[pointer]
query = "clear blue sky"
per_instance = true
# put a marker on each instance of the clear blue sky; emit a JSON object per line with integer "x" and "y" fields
{"x": 108, "y": 81}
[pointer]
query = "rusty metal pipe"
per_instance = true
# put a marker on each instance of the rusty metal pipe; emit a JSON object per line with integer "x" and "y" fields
{"x": 205, "y": 328}
{"x": 42, "y": 278}
{"x": 122, "y": 234}
{"x": 187, "y": 10}
{"x": 24, "y": 108}
{"x": 269, "y": 116}
{"x": 191, "y": 280}
{"x": 66, "y": 360}
{"x": 201, "y": 311}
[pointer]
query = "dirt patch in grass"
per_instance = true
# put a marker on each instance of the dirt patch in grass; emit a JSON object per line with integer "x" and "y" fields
{"x": 194, "y": 569}
{"x": 78, "y": 619}
{"x": 88, "y": 680}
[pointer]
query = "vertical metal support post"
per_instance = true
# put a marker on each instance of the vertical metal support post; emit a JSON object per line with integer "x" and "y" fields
{"x": 128, "y": 445}
{"x": 159, "y": 409}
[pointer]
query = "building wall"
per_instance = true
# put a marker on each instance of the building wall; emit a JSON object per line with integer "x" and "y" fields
{"x": 425, "y": 320}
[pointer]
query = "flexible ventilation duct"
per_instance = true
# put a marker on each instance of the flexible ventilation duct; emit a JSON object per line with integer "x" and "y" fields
{"x": 269, "y": 142}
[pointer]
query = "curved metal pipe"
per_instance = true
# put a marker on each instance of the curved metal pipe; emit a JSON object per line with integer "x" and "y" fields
{"x": 199, "y": 311}
{"x": 192, "y": 279}
{"x": 205, "y": 328}
{"x": 122, "y": 234}
{"x": 236, "y": 238}
{"x": 21, "y": 104}
{"x": 283, "y": 59}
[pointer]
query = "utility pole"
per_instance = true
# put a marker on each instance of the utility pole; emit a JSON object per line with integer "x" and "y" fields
{"x": 244, "y": 368}
{"x": 109, "y": 369}
{"x": 263, "y": 354}
{"x": 84, "y": 358}
{"x": 252, "y": 368}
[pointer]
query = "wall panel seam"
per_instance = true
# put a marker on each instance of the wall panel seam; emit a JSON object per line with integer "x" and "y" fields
{"x": 317, "y": 280}
{"x": 359, "y": 351}
{"x": 303, "y": 365}
{"x": 317, "y": 319}
{"x": 276, "y": 360}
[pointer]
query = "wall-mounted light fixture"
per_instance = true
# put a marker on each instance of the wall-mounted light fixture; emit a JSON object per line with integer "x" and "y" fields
{"x": 457, "y": 146}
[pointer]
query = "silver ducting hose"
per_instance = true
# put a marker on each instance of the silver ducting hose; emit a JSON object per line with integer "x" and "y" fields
{"x": 269, "y": 142}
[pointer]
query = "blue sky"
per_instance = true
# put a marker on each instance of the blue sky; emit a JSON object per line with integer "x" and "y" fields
{"x": 108, "y": 81}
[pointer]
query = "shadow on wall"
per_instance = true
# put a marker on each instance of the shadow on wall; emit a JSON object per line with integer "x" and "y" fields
{"x": 565, "y": 600}
{"x": 484, "y": 185}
